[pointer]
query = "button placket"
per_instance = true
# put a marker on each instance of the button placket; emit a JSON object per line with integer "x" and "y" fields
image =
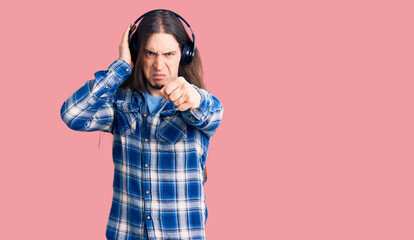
{"x": 146, "y": 172}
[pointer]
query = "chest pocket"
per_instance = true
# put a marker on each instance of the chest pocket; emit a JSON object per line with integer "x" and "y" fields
{"x": 128, "y": 117}
{"x": 172, "y": 129}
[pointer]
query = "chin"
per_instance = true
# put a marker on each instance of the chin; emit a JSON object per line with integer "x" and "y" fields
{"x": 158, "y": 86}
{"x": 155, "y": 85}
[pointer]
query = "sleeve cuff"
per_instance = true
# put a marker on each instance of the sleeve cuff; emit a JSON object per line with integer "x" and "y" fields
{"x": 198, "y": 113}
{"x": 107, "y": 81}
{"x": 121, "y": 68}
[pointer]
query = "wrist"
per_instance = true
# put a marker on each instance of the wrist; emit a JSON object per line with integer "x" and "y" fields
{"x": 198, "y": 98}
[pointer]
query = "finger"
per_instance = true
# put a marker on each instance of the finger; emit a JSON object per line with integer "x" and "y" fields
{"x": 126, "y": 33}
{"x": 184, "y": 106}
{"x": 163, "y": 94}
{"x": 176, "y": 94}
{"x": 180, "y": 101}
{"x": 170, "y": 87}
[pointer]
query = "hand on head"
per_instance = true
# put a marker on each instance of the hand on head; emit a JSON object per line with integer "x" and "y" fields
{"x": 124, "y": 52}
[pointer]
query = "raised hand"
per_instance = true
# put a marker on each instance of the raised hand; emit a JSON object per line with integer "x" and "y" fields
{"x": 124, "y": 52}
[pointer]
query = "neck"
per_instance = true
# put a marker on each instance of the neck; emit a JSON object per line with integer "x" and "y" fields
{"x": 154, "y": 92}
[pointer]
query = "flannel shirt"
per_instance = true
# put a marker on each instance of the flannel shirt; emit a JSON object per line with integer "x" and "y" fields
{"x": 159, "y": 157}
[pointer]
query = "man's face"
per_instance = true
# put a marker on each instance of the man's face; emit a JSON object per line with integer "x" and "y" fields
{"x": 161, "y": 60}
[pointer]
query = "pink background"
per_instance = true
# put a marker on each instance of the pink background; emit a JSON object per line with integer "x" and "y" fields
{"x": 317, "y": 136}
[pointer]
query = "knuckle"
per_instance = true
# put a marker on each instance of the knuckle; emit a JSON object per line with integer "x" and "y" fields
{"x": 182, "y": 79}
{"x": 185, "y": 90}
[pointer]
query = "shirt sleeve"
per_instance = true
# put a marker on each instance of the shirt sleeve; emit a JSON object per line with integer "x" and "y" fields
{"x": 207, "y": 116}
{"x": 91, "y": 108}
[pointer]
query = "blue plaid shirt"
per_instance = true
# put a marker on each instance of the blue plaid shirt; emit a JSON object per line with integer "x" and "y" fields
{"x": 159, "y": 157}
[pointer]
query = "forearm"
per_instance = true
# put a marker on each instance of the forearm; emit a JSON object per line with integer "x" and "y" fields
{"x": 90, "y": 108}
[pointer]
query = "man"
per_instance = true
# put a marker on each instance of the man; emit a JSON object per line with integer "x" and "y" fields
{"x": 153, "y": 102}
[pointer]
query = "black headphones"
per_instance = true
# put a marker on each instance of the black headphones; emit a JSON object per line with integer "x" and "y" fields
{"x": 187, "y": 51}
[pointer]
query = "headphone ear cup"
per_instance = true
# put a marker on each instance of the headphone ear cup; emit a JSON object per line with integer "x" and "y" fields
{"x": 134, "y": 51}
{"x": 186, "y": 55}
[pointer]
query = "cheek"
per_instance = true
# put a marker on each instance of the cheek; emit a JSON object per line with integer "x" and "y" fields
{"x": 173, "y": 66}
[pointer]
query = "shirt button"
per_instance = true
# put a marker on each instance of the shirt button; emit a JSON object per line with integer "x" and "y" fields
{"x": 195, "y": 110}
{"x": 127, "y": 69}
{"x": 146, "y": 165}
{"x": 145, "y": 115}
{"x": 146, "y": 140}
{"x": 127, "y": 109}
{"x": 148, "y": 217}
{"x": 147, "y": 192}
{"x": 107, "y": 86}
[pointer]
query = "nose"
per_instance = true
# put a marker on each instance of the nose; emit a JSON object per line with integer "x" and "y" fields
{"x": 158, "y": 62}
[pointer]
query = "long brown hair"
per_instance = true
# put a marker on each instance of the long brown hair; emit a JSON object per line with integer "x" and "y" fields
{"x": 161, "y": 21}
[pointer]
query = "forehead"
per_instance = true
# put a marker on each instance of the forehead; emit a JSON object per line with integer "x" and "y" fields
{"x": 162, "y": 42}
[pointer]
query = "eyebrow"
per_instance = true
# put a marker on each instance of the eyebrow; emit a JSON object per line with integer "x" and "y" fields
{"x": 148, "y": 50}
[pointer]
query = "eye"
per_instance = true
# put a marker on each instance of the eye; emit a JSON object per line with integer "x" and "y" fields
{"x": 149, "y": 53}
{"x": 169, "y": 54}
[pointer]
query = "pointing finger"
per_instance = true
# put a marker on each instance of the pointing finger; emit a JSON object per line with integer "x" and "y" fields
{"x": 163, "y": 94}
{"x": 171, "y": 86}
{"x": 175, "y": 94}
